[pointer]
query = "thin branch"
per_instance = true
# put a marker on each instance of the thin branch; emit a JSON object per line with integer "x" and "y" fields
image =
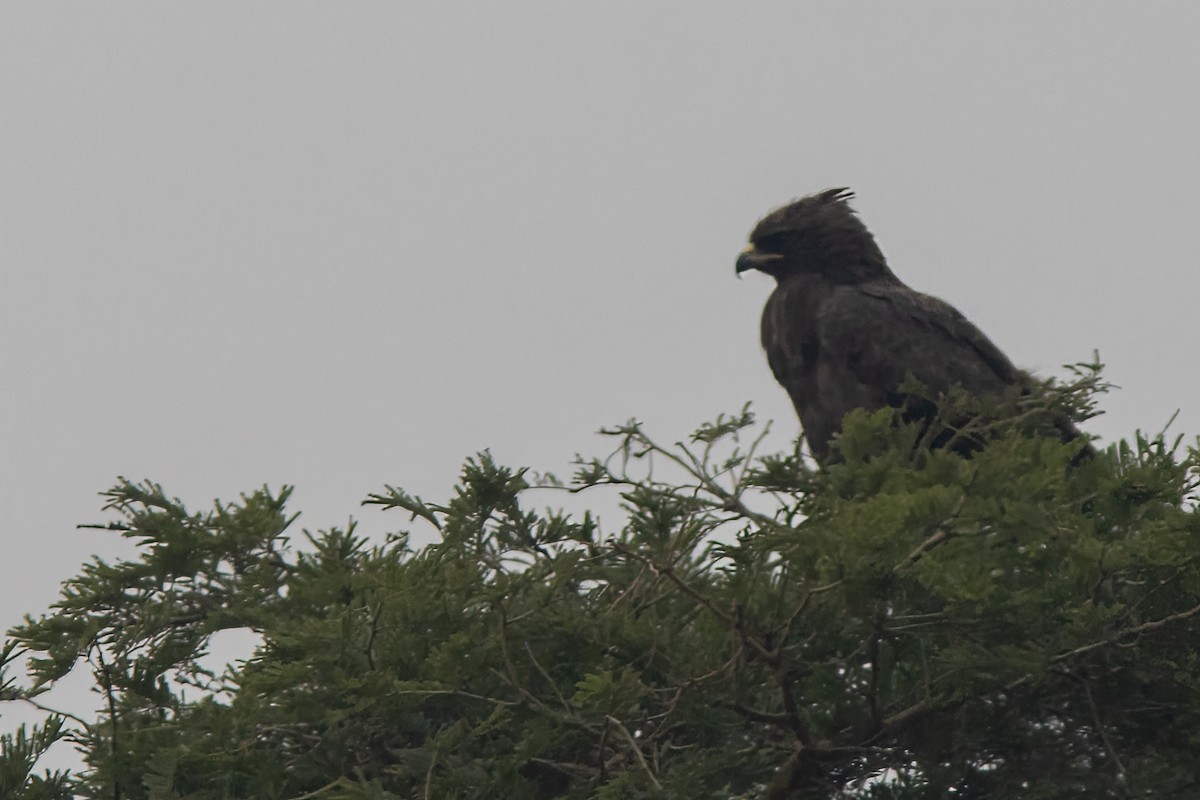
{"x": 873, "y": 660}
{"x": 318, "y": 792}
{"x": 549, "y": 680}
{"x": 1147, "y": 594}
{"x": 759, "y": 648}
{"x": 48, "y": 710}
{"x": 511, "y": 668}
{"x": 637, "y": 751}
{"x": 1121, "y": 634}
{"x": 455, "y": 693}
{"x": 746, "y": 465}
{"x": 1103, "y": 729}
{"x": 728, "y": 501}
{"x": 429, "y": 776}
{"x": 782, "y": 721}
{"x": 795, "y": 724}
{"x": 567, "y": 767}
{"x": 626, "y": 592}
{"x": 895, "y": 722}
{"x": 938, "y": 536}
{"x": 933, "y": 541}
{"x": 106, "y": 683}
{"x": 603, "y": 765}
{"x": 374, "y": 632}
{"x": 662, "y": 726}
{"x": 802, "y": 607}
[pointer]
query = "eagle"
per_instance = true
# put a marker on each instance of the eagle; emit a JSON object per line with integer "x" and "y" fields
{"x": 841, "y": 331}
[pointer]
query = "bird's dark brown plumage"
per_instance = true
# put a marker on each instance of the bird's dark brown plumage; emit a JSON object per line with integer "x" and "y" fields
{"x": 841, "y": 331}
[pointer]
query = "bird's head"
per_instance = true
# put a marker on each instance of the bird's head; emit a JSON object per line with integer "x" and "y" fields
{"x": 818, "y": 234}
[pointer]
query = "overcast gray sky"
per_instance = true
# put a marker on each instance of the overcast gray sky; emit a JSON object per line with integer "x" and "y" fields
{"x": 339, "y": 245}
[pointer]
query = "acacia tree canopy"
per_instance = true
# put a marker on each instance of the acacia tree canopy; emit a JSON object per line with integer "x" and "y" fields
{"x": 902, "y": 623}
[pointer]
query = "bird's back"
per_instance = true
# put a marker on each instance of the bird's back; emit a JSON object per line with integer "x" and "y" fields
{"x": 838, "y": 348}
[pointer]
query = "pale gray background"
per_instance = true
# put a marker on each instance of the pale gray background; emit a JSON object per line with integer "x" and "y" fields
{"x": 343, "y": 244}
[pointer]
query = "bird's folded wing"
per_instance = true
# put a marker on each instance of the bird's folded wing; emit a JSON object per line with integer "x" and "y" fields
{"x": 882, "y": 332}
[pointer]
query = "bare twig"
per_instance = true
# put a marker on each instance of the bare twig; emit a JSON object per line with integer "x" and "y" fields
{"x": 873, "y": 660}
{"x": 782, "y": 721}
{"x": 429, "y": 776}
{"x": 697, "y": 469}
{"x": 637, "y": 751}
{"x": 1121, "y": 634}
{"x": 106, "y": 683}
{"x": 933, "y": 541}
{"x": 1150, "y": 592}
{"x": 511, "y": 668}
{"x": 600, "y": 753}
{"x": 566, "y": 706}
{"x": 662, "y": 725}
{"x": 48, "y": 710}
{"x": 937, "y": 537}
{"x": 453, "y": 692}
{"x": 758, "y": 440}
{"x": 759, "y": 648}
{"x": 318, "y": 792}
{"x": 795, "y": 724}
{"x": 895, "y": 722}
{"x": 627, "y": 591}
{"x": 374, "y": 631}
{"x": 1103, "y": 729}
{"x": 803, "y": 606}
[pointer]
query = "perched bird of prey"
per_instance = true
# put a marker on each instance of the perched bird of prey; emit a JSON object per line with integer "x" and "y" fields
{"x": 841, "y": 331}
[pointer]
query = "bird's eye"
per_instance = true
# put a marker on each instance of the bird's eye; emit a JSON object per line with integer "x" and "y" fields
{"x": 771, "y": 243}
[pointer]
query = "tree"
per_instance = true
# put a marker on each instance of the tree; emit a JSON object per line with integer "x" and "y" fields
{"x": 903, "y": 623}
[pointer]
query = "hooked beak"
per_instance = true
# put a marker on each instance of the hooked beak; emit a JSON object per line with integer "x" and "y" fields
{"x": 753, "y": 258}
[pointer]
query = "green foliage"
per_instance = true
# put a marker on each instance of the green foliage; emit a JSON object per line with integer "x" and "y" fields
{"x": 19, "y": 754}
{"x": 904, "y": 623}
